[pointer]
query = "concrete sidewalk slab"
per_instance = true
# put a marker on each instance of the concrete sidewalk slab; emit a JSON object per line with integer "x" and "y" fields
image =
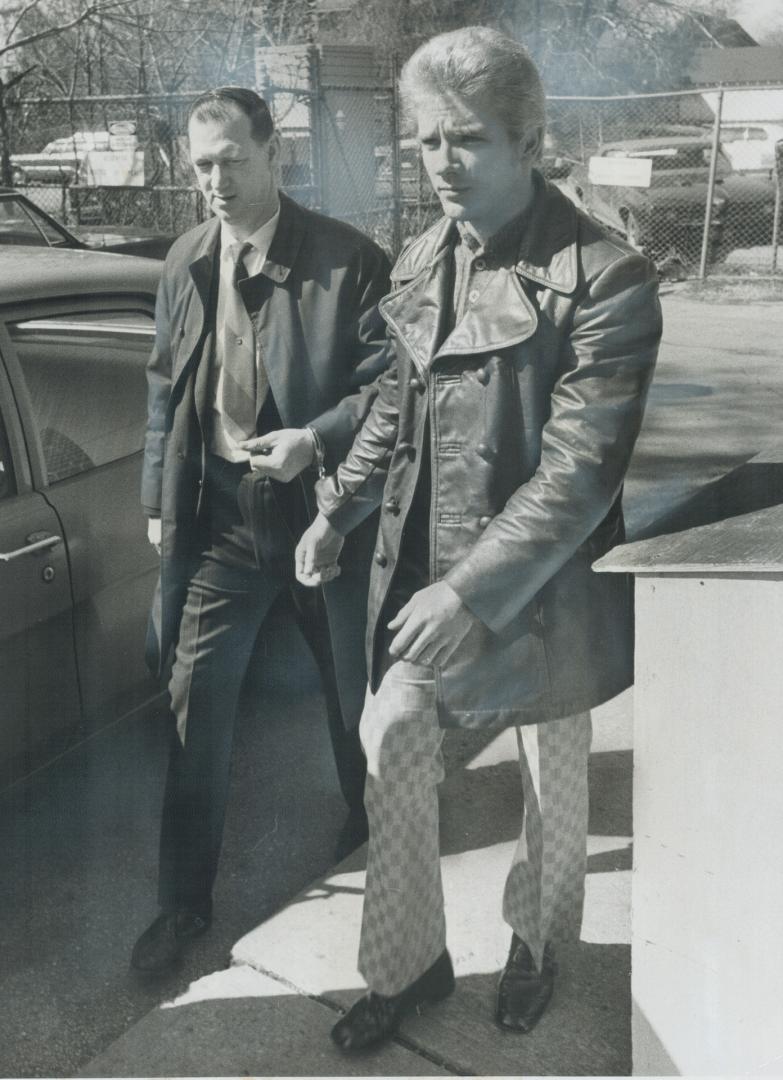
{"x": 270, "y": 1013}
{"x": 239, "y": 1022}
{"x": 312, "y": 943}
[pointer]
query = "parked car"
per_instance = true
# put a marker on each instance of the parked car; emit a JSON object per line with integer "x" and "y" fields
{"x": 61, "y": 160}
{"x": 750, "y": 147}
{"x": 76, "y": 571}
{"x": 750, "y": 210}
{"x": 23, "y": 222}
{"x": 668, "y": 216}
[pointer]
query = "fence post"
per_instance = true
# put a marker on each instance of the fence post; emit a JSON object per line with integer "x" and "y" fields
{"x": 316, "y": 128}
{"x": 396, "y": 163}
{"x": 705, "y": 240}
{"x": 778, "y": 194}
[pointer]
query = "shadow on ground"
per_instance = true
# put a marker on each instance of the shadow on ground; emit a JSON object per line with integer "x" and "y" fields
{"x": 288, "y": 1034}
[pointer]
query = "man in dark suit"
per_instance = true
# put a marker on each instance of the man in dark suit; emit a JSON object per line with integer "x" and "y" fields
{"x": 268, "y": 341}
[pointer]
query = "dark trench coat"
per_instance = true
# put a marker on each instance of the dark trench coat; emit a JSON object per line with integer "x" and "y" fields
{"x": 323, "y": 344}
{"x": 535, "y": 400}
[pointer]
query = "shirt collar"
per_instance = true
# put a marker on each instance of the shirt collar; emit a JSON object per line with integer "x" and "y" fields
{"x": 503, "y": 245}
{"x": 260, "y": 240}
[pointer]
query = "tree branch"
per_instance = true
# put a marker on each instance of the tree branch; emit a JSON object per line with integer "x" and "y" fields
{"x": 93, "y": 9}
{"x": 12, "y": 82}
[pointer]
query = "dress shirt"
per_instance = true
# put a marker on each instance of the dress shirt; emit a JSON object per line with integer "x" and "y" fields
{"x": 261, "y": 240}
{"x": 474, "y": 261}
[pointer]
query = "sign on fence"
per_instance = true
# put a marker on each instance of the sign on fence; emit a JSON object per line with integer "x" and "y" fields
{"x": 114, "y": 168}
{"x": 621, "y": 171}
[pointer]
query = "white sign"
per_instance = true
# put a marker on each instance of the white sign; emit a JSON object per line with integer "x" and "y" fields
{"x": 114, "y": 168}
{"x": 621, "y": 171}
{"x": 122, "y": 127}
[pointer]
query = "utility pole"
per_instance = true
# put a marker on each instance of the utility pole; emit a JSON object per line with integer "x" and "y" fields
{"x": 312, "y": 22}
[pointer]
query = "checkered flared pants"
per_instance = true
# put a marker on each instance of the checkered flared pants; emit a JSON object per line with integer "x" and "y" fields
{"x": 403, "y": 924}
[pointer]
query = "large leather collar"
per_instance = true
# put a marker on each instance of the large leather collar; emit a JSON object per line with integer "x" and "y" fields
{"x": 502, "y": 314}
{"x": 547, "y": 253}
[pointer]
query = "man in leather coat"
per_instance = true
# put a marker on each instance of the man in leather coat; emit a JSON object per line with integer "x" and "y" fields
{"x": 525, "y": 339}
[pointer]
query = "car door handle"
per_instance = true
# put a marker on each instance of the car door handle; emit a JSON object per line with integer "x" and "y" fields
{"x": 37, "y": 542}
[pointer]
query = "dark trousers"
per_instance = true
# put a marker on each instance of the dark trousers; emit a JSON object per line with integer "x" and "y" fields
{"x": 244, "y": 568}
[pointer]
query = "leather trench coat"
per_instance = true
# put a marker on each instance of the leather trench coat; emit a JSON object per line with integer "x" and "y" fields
{"x": 534, "y": 401}
{"x": 324, "y": 345}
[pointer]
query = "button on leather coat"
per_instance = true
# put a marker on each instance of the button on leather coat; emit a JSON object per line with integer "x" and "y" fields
{"x": 535, "y": 400}
{"x": 323, "y": 344}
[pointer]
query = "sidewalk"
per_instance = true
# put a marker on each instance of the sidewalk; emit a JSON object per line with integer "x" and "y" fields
{"x": 270, "y": 1012}
{"x": 715, "y": 404}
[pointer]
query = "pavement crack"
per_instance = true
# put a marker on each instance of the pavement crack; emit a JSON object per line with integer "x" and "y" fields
{"x": 403, "y": 1040}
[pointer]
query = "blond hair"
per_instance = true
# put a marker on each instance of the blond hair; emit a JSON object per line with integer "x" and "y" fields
{"x": 481, "y": 65}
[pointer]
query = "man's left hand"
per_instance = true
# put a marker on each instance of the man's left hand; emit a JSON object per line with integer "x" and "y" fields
{"x": 281, "y": 455}
{"x": 430, "y": 626}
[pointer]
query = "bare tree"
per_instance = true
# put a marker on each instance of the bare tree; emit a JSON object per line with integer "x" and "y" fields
{"x": 581, "y": 46}
{"x": 23, "y": 32}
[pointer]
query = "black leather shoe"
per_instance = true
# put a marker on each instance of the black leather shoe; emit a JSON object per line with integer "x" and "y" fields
{"x": 354, "y": 832}
{"x": 523, "y": 992}
{"x": 165, "y": 940}
{"x": 375, "y": 1018}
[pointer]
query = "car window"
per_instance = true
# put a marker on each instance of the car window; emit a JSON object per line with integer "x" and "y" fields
{"x": 53, "y": 235}
{"x": 744, "y": 133}
{"x": 690, "y": 157}
{"x": 85, "y": 376}
{"x": 16, "y": 225}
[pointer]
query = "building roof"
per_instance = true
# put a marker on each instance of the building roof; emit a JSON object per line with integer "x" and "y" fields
{"x": 723, "y": 32}
{"x": 747, "y": 64}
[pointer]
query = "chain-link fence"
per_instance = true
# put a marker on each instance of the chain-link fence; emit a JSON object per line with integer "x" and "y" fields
{"x": 689, "y": 177}
{"x": 64, "y": 130}
{"x": 337, "y": 108}
{"x": 54, "y": 142}
{"x": 170, "y": 210}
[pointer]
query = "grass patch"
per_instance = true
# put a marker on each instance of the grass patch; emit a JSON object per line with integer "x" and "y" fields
{"x": 732, "y": 290}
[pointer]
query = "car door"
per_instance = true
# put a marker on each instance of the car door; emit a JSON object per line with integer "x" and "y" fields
{"x": 81, "y": 378}
{"x": 39, "y": 691}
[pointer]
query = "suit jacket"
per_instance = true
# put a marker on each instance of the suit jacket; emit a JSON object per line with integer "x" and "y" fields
{"x": 323, "y": 345}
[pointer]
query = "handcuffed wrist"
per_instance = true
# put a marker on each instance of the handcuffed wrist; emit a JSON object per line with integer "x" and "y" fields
{"x": 319, "y": 452}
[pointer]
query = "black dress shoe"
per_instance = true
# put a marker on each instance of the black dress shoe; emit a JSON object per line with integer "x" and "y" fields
{"x": 354, "y": 832}
{"x": 375, "y": 1018}
{"x": 165, "y": 940}
{"x": 524, "y": 992}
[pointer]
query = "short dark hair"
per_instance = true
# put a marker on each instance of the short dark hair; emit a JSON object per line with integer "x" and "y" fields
{"x": 219, "y": 103}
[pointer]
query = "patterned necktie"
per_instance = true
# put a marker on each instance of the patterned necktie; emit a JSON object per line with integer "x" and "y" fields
{"x": 239, "y": 391}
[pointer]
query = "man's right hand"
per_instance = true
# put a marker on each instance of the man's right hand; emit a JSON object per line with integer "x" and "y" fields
{"x": 317, "y": 553}
{"x": 153, "y": 533}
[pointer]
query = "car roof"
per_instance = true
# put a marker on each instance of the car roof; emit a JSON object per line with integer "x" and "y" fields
{"x": 43, "y": 273}
{"x": 659, "y": 141}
